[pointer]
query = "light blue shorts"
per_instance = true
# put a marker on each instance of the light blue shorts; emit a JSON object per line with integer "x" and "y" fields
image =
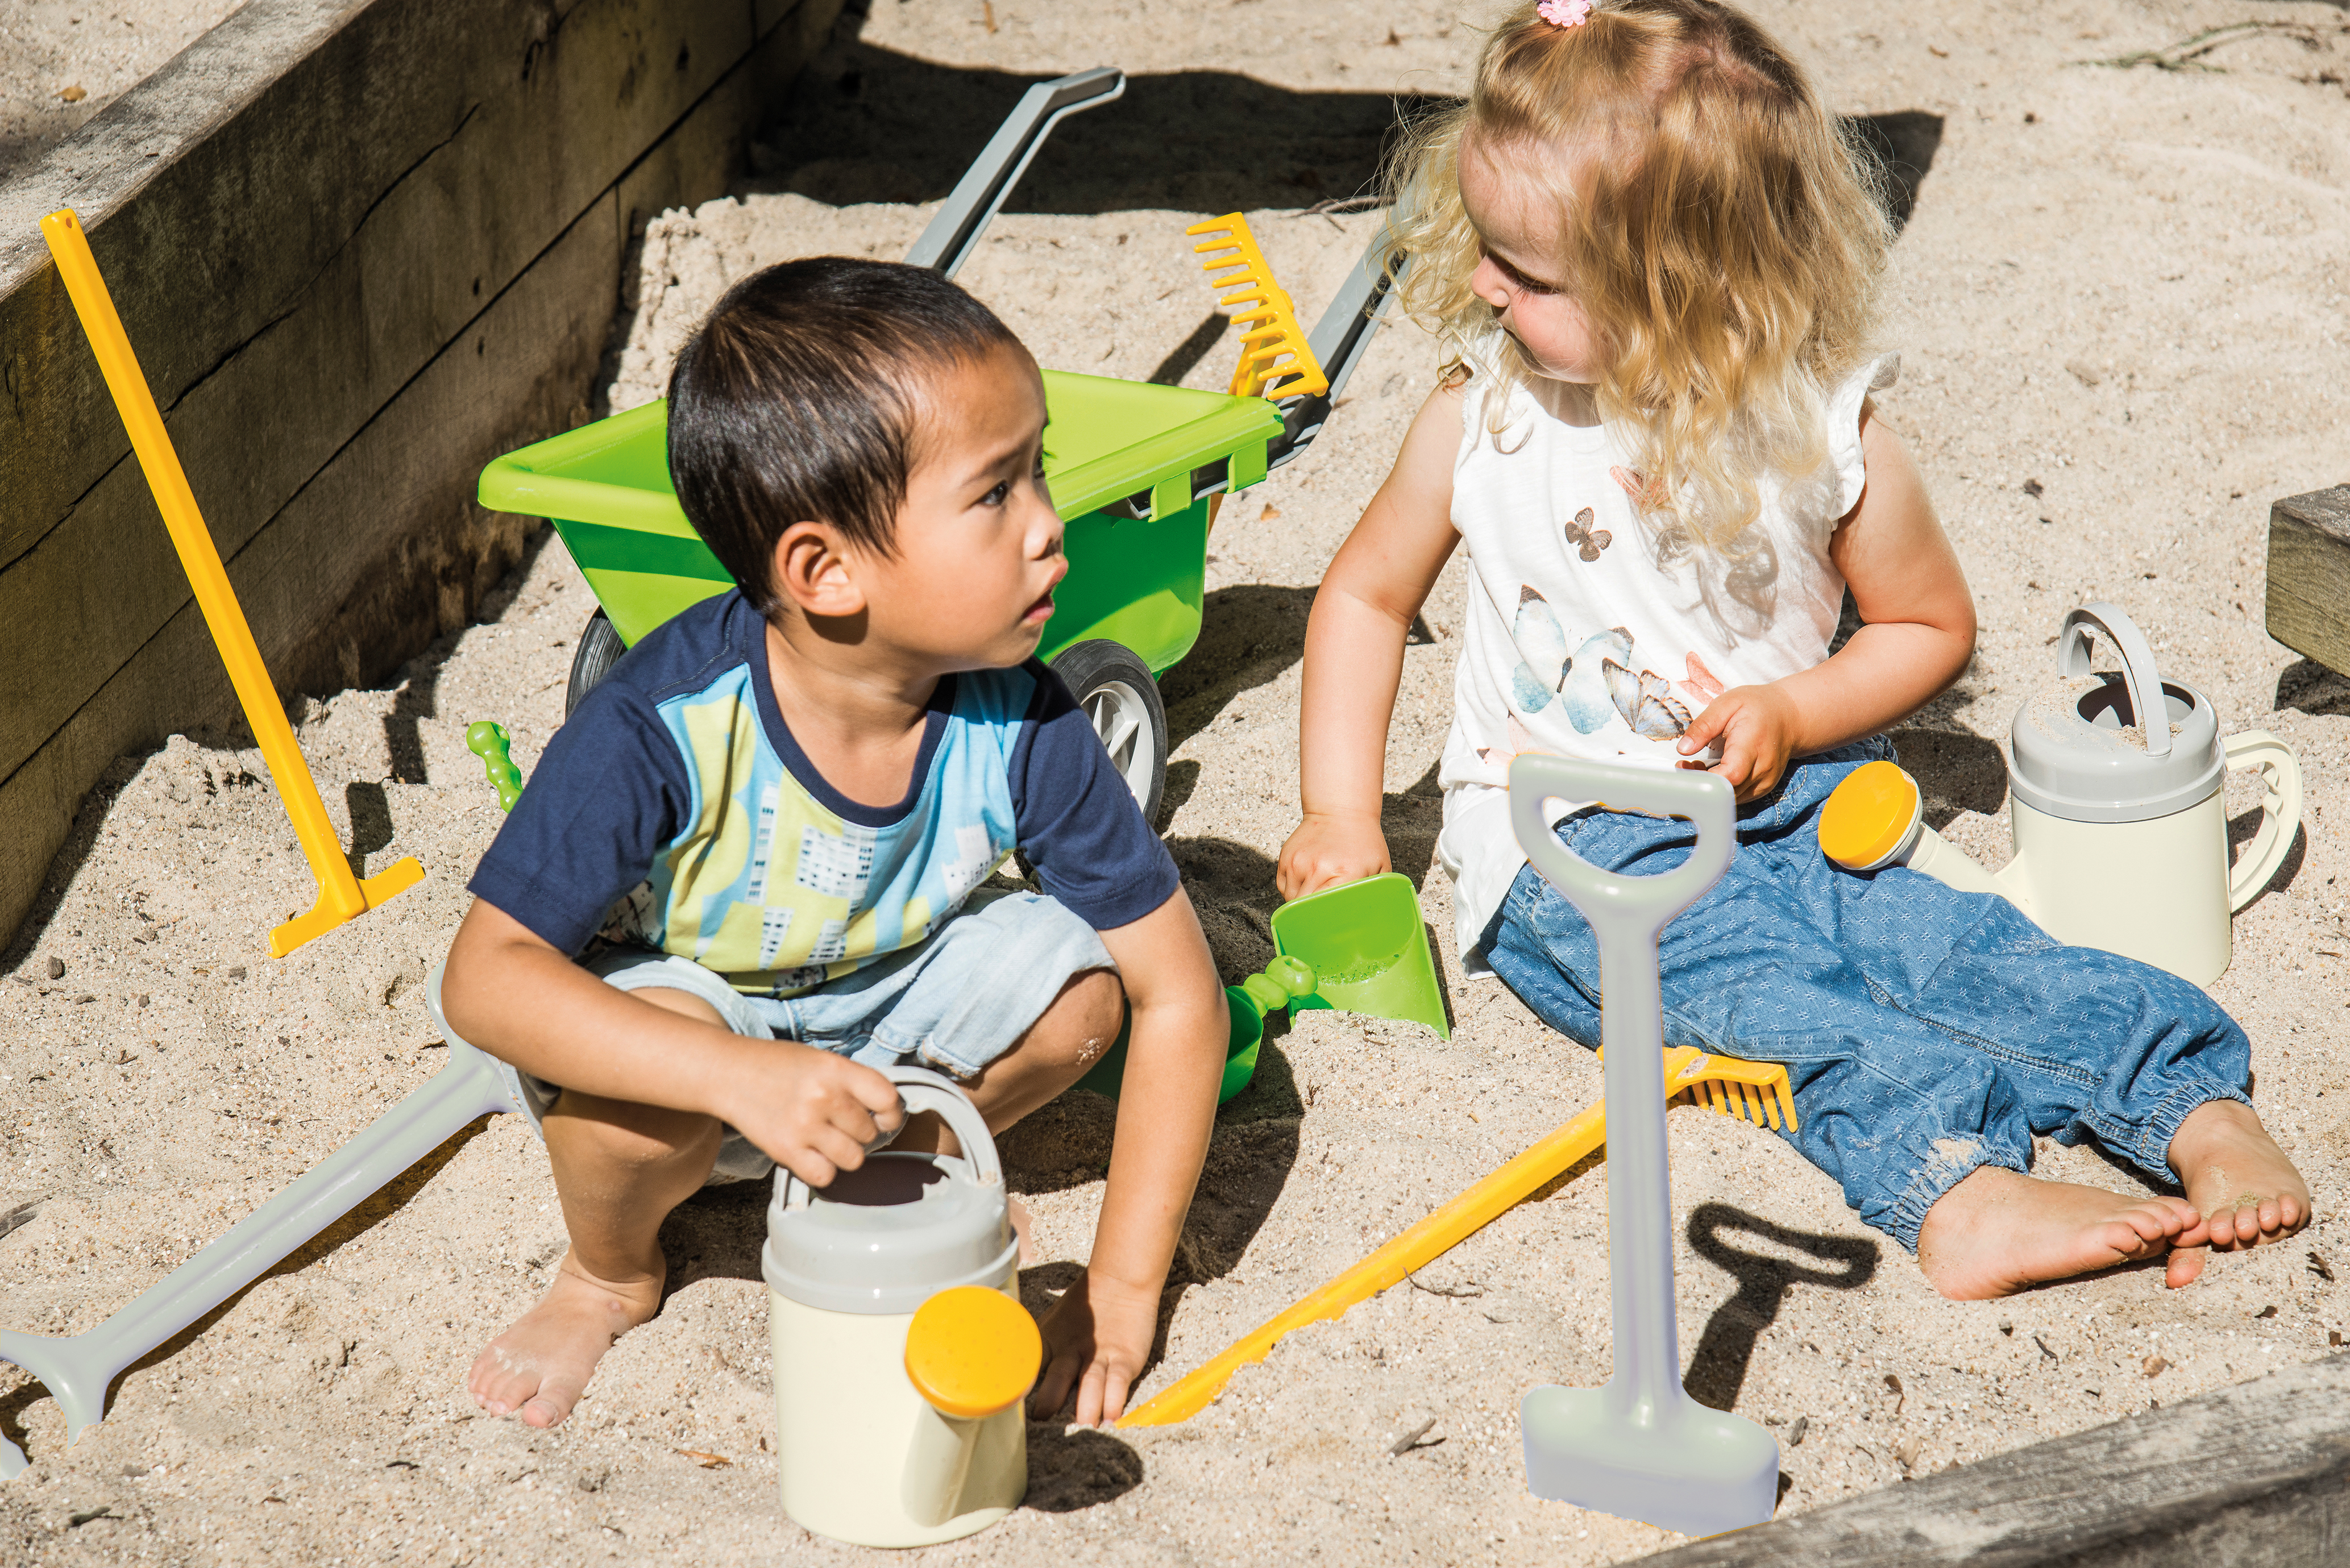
{"x": 953, "y": 1003}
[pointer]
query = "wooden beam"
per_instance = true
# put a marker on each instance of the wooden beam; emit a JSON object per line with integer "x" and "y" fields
{"x": 2309, "y": 576}
{"x": 2255, "y": 1475}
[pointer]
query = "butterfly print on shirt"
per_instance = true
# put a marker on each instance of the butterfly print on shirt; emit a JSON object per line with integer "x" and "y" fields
{"x": 1542, "y": 652}
{"x": 1701, "y": 681}
{"x": 1588, "y": 540}
{"x": 1646, "y": 702}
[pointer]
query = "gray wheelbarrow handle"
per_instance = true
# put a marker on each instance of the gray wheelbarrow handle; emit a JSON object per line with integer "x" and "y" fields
{"x": 955, "y": 232}
{"x": 76, "y": 1371}
{"x": 1339, "y": 340}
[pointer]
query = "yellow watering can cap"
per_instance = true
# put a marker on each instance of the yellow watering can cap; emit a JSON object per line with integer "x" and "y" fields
{"x": 972, "y": 1352}
{"x": 1868, "y": 816}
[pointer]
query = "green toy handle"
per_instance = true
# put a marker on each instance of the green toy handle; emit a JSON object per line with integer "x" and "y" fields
{"x": 489, "y": 741}
{"x": 1279, "y": 984}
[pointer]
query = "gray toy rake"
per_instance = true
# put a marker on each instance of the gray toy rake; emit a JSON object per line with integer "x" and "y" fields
{"x": 1639, "y": 1447}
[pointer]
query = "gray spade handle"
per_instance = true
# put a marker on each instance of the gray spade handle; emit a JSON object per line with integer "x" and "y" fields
{"x": 76, "y": 1371}
{"x": 954, "y": 232}
{"x": 2139, "y": 668}
{"x": 1625, "y": 914}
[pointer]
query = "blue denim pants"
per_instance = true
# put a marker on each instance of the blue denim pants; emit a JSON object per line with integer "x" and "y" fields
{"x": 1926, "y": 1030}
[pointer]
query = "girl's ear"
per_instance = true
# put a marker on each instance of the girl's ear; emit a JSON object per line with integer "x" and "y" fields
{"x": 814, "y": 571}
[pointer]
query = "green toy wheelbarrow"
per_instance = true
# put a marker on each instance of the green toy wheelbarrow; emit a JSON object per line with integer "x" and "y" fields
{"x": 1133, "y": 469}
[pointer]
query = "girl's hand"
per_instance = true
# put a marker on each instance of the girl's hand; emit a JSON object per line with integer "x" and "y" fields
{"x": 1096, "y": 1338}
{"x": 1327, "y": 848}
{"x": 1757, "y": 726}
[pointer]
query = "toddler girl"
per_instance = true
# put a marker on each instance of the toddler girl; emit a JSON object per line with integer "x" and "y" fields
{"x": 1653, "y": 260}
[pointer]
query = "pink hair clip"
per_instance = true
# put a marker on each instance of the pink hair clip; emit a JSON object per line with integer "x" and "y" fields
{"x": 1564, "y": 12}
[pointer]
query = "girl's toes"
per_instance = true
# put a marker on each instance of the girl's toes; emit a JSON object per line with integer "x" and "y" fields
{"x": 2185, "y": 1267}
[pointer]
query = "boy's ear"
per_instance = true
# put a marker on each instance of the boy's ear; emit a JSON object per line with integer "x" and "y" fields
{"x": 814, "y": 571}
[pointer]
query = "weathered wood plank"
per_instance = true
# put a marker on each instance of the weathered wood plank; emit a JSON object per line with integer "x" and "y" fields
{"x": 2309, "y": 576}
{"x": 335, "y": 444}
{"x": 510, "y": 162}
{"x": 2256, "y": 1476}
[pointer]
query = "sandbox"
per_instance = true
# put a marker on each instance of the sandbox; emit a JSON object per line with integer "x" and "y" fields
{"x": 2113, "y": 301}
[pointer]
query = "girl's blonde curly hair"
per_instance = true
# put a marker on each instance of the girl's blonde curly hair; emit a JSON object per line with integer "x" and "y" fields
{"x": 1723, "y": 237}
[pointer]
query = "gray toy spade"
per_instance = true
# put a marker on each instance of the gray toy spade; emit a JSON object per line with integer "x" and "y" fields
{"x": 76, "y": 1371}
{"x": 1639, "y": 1447}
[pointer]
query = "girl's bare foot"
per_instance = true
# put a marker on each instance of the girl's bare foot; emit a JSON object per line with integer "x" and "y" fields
{"x": 1996, "y": 1232}
{"x": 540, "y": 1365}
{"x": 2238, "y": 1180}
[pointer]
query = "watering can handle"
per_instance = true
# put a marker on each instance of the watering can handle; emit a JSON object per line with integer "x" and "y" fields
{"x": 2138, "y": 666}
{"x": 920, "y": 1090}
{"x": 923, "y": 1090}
{"x": 1608, "y": 900}
{"x": 2280, "y": 812}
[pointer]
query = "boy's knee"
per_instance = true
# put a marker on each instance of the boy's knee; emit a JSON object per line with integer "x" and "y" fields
{"x": 1083, "y": 1021}
{"x": 624, "y": 1132}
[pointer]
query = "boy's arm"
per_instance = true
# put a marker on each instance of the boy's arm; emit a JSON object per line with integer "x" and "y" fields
{"x": 513, "y": 994}
{"x": 1907, "y": 583}
{"x": 1100, "y": 1332}
{"x": 1354, "y": 655}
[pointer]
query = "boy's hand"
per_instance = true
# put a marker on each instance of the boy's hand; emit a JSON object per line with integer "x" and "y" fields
{"x": 1326, "y": 850}
{"x": 1757, "y": 726}
{"x": 1096, "y": 1338}
{"x": 811, "y": 1111}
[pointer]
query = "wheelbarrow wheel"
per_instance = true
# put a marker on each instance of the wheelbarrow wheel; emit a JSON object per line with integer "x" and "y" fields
{"x": 599, "y": 648}
{"x": 1117, "y": 692}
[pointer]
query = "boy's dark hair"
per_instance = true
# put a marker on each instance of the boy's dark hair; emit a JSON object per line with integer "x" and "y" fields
{"x": 796, "y": 400}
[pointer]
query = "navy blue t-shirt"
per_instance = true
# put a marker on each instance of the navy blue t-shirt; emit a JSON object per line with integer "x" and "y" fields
{"x": 677, "y": 792}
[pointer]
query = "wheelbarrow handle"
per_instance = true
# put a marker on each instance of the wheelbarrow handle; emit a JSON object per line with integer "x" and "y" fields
{"x": 955, "y": 232}
{"x": 1339, "y": 340}
{"x": 1632, "y": 905}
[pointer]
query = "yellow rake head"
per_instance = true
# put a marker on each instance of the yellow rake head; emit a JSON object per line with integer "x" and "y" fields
{"x": 1750, "y": 1091}
{"x": 1276, "y": 359}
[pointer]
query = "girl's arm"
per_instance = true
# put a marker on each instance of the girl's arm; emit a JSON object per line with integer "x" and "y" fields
{"x": 1354, "y": 655}
{"x": 1906, "y": 580}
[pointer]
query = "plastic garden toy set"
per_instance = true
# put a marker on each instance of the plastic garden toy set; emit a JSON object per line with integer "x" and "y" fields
{"x": 892, "y": 1293}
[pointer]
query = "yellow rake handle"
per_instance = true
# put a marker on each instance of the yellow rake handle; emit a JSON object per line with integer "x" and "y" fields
{"x": 1449, "y": 1226}
{"x": 341, "y": 894}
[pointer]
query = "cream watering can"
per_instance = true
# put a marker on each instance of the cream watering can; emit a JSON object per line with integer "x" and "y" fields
{"x": 902, "y": 1354}
{"x": 2120, "y": 827}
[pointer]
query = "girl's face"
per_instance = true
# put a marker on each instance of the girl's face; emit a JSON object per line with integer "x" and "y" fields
{"x": 1517, "y": 275}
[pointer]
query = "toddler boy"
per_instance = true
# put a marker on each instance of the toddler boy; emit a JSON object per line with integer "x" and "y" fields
{"x": 744, "y": 872}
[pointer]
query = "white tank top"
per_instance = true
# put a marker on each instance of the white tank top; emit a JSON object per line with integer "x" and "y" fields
{"x": 1580, "y": 642}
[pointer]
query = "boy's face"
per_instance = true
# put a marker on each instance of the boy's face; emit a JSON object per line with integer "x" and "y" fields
{"x": 979, "y": 545}
{"x": 1517, "y": 275}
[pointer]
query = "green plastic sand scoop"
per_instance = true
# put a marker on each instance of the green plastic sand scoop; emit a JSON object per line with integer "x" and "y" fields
{"x": 1357, "y": 948}
{"x": 1368, "y": 947}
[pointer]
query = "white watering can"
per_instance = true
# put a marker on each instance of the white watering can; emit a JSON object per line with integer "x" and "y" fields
{"x": 902, "y": 1354}
{"x": 2120, "y": 827}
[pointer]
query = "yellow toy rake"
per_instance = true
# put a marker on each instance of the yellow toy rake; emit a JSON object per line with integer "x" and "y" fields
{"x": 1755, "y": 1092}
{"x": 342, "y": 895}
{"x": 1276, "y": 359}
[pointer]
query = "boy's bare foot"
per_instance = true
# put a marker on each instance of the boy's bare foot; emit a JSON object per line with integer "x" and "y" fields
{"x": 1996, "y": 1232}
{"x": 2238, "y": 1180}
{"x": 540, "y": 1365}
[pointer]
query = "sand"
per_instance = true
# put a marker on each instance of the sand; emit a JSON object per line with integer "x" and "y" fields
{"x": 2118, "y": 299}
{"x": 61, "y": 61}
